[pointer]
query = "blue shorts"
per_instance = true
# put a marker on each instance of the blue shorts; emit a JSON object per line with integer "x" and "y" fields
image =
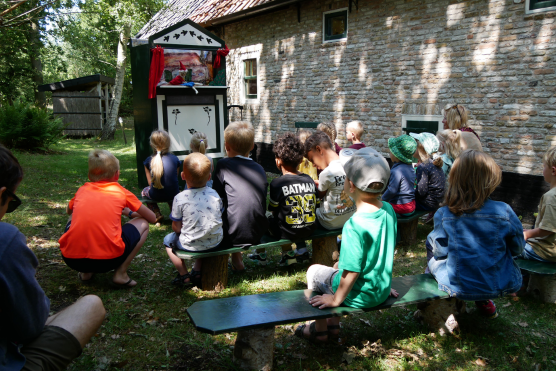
{"x": 130, "y": 236}
{"x": 530, "y": 254}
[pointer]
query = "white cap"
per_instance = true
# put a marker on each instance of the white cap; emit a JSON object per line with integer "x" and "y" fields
{"x": 365, "y": 166}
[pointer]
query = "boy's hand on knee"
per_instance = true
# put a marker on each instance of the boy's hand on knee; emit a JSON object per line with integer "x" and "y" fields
{"x": 323, "y": 301}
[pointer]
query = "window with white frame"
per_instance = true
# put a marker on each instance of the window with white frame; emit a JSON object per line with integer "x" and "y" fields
{"x": 537, "y": 6}
{"x": 250, "y": 78}
{"x": 422, "y": 123}
{"x": 335, "y": 25}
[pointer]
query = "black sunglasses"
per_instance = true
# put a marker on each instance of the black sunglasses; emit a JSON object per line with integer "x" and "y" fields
{"x": 14, "y": 202}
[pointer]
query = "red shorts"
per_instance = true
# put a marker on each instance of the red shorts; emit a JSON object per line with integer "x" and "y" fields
{"x": 404, "y": 208}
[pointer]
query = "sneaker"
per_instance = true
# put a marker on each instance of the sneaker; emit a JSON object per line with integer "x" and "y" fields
{"x": 487, "y": 309}
{"x": 288, "y": 258}
{"x": 428, "y": 218}
{"x": 301, "y": 258}
{"x": 258, "y": 258}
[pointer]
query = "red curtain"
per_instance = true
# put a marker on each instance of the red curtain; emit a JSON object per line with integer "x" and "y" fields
{"x": 157, "y": 68}
{"x": 220, "y": 53}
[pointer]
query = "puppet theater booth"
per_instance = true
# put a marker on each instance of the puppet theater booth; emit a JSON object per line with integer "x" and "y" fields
{"x": 82, "y": 103}
{"x": 179, "y": 85}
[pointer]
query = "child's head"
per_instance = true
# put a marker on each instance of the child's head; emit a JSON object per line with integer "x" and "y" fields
{"x": 329, "y": 129}
{"x": 160, "y": 141}
{"x": 239, "y": 136}
{"x": 549, "y": 165}
{"x": 427, "y": 146}
{"x": 402, "y": 148}
{"x": 455, "y": 117}
{"x": 316, "y": 147}
{"x": 12, "y": 173}
{"x": 354, "y": 131}
{"x": 303, "y": 135}
{"x": 449, "y": 142}
{"x": 199, "y": 142}
{"x": 288, "y": 151}
{"x": 103, "y": 165}
{"x": 473, "y": 177}
{"x": 196, "y": 170}
{"x": 366, "y": 169}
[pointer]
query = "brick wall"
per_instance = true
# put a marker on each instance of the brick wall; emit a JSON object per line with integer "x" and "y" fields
{"x": 405, "y": 57}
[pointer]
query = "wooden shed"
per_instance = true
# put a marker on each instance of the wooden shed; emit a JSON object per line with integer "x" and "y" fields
{"x": 82, "y": 103}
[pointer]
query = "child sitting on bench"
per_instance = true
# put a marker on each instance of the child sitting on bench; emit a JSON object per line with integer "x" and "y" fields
{"x": 362, "y": 278}
{"x": 336, "y": 207}
{"x": 196, "y": 218}
{"x": 161, "y": 169}
{"x": 430, "y": 178}
{"x": 242, "y": 185}
{"x": 474, "y": 237}
{"x": 293, "y": 202}
{"x": 400, "y": 192}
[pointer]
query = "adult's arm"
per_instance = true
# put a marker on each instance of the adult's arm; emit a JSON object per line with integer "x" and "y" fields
{"x": 24, "y": 306}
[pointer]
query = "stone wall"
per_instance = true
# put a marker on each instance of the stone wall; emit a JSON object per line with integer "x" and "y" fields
{"x": 404, "y": 56}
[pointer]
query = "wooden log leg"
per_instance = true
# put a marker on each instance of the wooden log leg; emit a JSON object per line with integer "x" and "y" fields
{"x": 214, "y": 273}
{"x": 325, "y": 250}
{"x": 254, "y": 349}
{"x": 440, "y": 315}
{"x": 543, "y": 287}
{"x": 408, "y": 232}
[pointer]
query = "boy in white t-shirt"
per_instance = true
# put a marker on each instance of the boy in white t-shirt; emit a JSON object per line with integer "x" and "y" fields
{"x": 336, "y": 207}
{"x": 196, "y": 218}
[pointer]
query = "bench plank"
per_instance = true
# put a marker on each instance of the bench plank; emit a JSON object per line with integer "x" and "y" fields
{"x": 267, "y": 241}
{"x": 536, "y": 267}
{"x": 265, "y": 310}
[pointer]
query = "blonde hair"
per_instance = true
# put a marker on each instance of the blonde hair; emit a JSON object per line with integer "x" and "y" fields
{"x": 473, "y": 177}
{"x": 424, "y": 156}
{"x": 550, "y": 157}
{"x": 329, "y": 129}
{"x": 160, "y": 143}
{"x": 196, "y": 169}
{"x": 103, "y": 165}
{"x": 240, "y": 136}
{"x": 198, "y": 142}
{"x": 450, "y": 142}
{"x": 356, "y": 128}
{"x": 456, "y": 116}
{"x": 303, "y": 135}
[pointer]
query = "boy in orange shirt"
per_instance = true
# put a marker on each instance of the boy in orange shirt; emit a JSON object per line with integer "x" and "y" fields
{"x": 94, "y": 240}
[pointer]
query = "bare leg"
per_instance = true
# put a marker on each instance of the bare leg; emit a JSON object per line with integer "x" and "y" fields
{"x": 237, "y": 261}
{"x": 120, "y": 274}
{"x": 82, "y": 319}
{"x": 178, "y": 263}
{"x": 198, "y": 264}
{"x": 320, "y": 325}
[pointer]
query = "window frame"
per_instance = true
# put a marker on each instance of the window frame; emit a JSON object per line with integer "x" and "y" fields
{"x": 329, "y": 13}
{"x": 250, "y": 97}
{"x": 529, "y": 3}
{"x": 430, "y": 118}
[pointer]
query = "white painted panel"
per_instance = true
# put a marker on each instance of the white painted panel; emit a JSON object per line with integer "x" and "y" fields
{"x": 184, "y": 121}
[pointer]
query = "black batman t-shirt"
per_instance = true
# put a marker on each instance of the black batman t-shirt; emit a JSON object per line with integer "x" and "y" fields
{"x": 294, "y": 197}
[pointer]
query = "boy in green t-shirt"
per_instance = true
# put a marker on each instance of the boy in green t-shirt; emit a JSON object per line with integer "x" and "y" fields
{"x": 362, "y": 277}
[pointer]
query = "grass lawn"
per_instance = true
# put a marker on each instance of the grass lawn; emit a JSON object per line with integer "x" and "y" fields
{"x": 147, "y": 327}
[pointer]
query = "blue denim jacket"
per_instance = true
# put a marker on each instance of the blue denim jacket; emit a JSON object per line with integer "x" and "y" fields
{"x": 473, "y": 252}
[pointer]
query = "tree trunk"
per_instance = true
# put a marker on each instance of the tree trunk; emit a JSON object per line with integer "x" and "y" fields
{"x": 441, "y": 315}
{"x": 34, "y": 56}
{"x": 325, "y": 251}
{"x": 214, "y": 273}
{"x": 254, "y": 349}
{"x": 110, "y": 127}
{"x": 408, "y": 232}
{"x": 543, "y": 287}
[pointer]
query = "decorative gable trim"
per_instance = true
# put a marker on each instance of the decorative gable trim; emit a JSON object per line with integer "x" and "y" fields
{"x": 186, "y": 33}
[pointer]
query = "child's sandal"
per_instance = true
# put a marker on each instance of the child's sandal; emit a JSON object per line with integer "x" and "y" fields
{"x": 331, "y": 336}
{"x": 313, "y": 333}
{"x": 180, "y": 280}
{"x": 196, "y": 278}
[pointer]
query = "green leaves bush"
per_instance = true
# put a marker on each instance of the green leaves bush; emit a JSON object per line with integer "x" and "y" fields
{"x": 27, "y": 127}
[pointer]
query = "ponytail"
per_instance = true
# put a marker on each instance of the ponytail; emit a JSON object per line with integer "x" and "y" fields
{"x": 202, "y": 146}
{"x": 437, "y": 160}
{"x": 160, "y": 142}
{"x": 198, "y": 142}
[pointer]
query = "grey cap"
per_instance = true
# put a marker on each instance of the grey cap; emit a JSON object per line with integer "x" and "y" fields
{"x": 365, "y": 166}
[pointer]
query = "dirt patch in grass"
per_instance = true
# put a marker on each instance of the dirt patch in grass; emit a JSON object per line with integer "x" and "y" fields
{"x": 195, "y": 357}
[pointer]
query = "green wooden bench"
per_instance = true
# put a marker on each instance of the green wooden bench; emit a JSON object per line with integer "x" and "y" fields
{"x": 542, "y": 282}
{"x": 407, "y": 227}
{"x": 214, "y": 270}
{"x": 254, "y": 317}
